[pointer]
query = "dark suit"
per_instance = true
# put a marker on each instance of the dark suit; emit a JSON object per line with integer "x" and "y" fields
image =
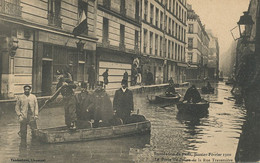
{"x": 123, "y": 103}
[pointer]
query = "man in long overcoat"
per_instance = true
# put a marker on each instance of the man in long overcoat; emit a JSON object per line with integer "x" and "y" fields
{"x": 91, "y": 77}
{"x": 123, "y": 102}
{"x": 102, "y": 105}
{"x": 84, "y": 108}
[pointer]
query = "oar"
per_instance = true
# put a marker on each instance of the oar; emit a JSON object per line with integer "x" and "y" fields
{"x": 216, "y": 102}
{"x": 51, "y": 98}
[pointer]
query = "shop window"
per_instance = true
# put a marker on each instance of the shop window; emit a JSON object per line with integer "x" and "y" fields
{"x": 81, "y": 72}
{"x": 47, "y": 51}
{"x": 54, "y": 7}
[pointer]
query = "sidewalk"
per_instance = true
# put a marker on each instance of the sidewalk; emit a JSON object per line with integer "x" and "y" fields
{"x": 8, "y": 105}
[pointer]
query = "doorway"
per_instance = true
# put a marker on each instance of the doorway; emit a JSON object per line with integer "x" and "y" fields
{"x": 46, "y": 78}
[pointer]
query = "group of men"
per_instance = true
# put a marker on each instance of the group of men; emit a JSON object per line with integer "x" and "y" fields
{"x": 80, "y": 109}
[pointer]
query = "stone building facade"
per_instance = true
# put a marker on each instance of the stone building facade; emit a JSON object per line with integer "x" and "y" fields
{"x": 163, "y": 38}
{"x": 37, "y": 39}
{"x": 197, "y": 47}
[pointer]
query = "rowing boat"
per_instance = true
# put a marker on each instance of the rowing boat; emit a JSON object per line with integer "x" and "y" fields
{"x": 63, "y": 134}
{"x": 206, "y": 90}
{"x": 194, "y": 108}
{"x": 164, "y": 99}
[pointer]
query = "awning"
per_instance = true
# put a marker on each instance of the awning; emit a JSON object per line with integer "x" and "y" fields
{"x": 193, "y": 66}
{"x": 182, "y": 64}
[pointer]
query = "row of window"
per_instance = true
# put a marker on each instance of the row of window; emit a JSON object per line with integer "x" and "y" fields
{"x": 122, "y": 3}
{"x": 171, "y": 27}
{"x": 173, "y": 6}
{"x": 122, "y": 34}
{"x": 158, "y": 46}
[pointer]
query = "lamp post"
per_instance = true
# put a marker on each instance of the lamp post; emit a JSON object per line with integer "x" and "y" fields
{"x": 245, "y": 25}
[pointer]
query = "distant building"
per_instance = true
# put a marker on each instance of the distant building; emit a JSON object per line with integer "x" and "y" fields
{"x": 164, "y": 39}
{"x": 118, "y": 32}
{"x": 197, "y": 47}
{"x": 213, "y": 57}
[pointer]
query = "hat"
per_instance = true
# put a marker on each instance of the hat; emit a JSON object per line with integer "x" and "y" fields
{"x": 124, "y": 82}
{"x": 27, "y": 86}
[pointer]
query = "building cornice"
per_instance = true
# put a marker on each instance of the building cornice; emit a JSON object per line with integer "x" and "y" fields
{"x": 118, "y": 15}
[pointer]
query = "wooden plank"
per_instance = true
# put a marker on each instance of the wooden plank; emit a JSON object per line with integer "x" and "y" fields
{"x": 65, "y": 135}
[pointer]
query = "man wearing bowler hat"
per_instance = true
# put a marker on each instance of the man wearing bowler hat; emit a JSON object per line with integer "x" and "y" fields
{"x": 27, "y": 111}
{"x": 123, "y": 101}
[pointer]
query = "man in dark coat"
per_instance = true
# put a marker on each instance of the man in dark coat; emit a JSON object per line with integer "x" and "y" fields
{"x": 192, "y": 94}
{"x": 84, "y": 111}
{"x": 67, "y": 85}
{"x": 170, "y": 91}
{"x": 102, "y": 106}
{"x": 91, "y": 77}
{"x": 149, "y": 78}
{"x": 123, "y": 102}
{"x": 105, "y": 77}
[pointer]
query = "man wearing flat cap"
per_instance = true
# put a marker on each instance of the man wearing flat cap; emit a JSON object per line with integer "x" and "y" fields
{"x": 123, "y": 101}
{"x": 27, "y": 111}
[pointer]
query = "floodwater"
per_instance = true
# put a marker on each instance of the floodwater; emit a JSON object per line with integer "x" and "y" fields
{"x": 174, "y": 137}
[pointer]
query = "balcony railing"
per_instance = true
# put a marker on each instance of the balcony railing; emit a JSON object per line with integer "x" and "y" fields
{"x": 136, "y": 49}
{"x": 144, "y": 48}
{"x": 10, "y": 8}
{"x": 54, "y": 20}
{"x": 105, "y": 43}
{"x": 123, "y": 11}
{"x": 145, "y": 17}
{"x": 107, "y": 4}
{"x": 121, "y": 46}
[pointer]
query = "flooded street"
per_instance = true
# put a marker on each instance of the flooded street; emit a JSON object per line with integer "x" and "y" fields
{"x": 174, "y": 137}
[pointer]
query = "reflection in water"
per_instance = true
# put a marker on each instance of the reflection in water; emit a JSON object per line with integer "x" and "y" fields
{"x": 191, "y": 121}
{"x": 119, "y": 149}
{"x": 172, "y": 137}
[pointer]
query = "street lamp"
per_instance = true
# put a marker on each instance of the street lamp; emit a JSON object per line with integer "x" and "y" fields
{"x": 245, "y": 25}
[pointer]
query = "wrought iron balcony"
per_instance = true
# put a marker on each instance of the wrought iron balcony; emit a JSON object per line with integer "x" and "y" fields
{"x": 137, "y": 49}
{"x": 123, "y": 11}
{"x": 121, "y": 46}
{"x": 10, "y": 8}
{"x": 107, "y": 4}
{"x": 105, "y": 43}
{"x": 54, "y": 20}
